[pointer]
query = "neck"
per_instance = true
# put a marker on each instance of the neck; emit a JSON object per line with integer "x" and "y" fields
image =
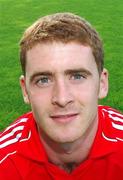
{"x": 70, "y": 154}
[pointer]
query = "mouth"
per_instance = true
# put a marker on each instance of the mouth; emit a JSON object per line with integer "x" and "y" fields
{"x": 64, "y": 118}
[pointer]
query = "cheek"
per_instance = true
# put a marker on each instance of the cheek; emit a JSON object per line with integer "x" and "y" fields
{"x": 40, "y": 102}
{"x": 88, "y": 93}
{"x": 40, "y": 96}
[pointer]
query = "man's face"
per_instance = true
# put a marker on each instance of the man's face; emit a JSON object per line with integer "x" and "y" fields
{"x": 63, "y": 85}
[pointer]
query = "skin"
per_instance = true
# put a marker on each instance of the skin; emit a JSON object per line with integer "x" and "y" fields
{"x": 63, "y": 85}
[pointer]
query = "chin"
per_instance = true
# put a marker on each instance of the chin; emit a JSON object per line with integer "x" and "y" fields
{"x": 66, "y": 139}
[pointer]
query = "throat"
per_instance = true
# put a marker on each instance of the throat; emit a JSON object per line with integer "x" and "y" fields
{"x": 69, "y": 167}
{"x": 67, "y": 148}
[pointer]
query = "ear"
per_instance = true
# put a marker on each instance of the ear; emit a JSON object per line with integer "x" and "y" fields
{"x": 103, "y": 91}
{"x": 24, "y": 90}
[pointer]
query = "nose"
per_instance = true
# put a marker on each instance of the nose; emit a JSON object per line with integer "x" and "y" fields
{"x": 62, "y": 94}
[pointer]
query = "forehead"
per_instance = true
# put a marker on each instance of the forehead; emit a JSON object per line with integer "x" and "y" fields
{"x": 59, "y": 55}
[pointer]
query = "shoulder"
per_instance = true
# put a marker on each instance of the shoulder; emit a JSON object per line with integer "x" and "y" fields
{"x": 112, "y": 121}
{"x": 110, "y": 111}
{"x": 14, "y": 134}
{"x": 109, "y": 137}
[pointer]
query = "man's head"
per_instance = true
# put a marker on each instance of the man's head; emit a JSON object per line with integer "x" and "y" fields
{"x": 65, "y": 28}
{"x": 62, "y": 60}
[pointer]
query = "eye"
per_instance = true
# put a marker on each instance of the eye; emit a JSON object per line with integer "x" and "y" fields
{"x": 43, "y": 81}
{"x": 77, "y": 76}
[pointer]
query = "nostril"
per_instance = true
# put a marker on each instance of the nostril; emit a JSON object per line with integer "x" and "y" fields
{"x": 62, "y": 100}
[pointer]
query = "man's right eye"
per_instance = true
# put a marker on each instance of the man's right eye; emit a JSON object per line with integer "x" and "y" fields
{"x": 43, "y": 81}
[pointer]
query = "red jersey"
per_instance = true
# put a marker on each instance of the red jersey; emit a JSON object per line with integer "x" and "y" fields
{"x": 23, "y": 157}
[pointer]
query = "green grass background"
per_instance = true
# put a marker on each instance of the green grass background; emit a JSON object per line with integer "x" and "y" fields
{"x": 16, "y": 15}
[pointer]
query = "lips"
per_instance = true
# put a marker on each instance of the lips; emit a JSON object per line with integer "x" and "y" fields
{"x": 64, "y": 118}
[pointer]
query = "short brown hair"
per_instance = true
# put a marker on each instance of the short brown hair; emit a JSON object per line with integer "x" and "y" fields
{"x": 62, "y": 27}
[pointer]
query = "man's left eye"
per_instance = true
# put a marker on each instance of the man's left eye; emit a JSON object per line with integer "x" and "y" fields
{"x": 77, "y": 76}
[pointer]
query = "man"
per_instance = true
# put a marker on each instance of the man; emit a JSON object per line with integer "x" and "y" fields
{"x": 67, "y": 135}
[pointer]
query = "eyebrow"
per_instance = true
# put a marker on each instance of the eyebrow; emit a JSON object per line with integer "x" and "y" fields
{"x": 77, "y": 70}
{"x": 36, "y": 74}
{"x": 68, "y": 71}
